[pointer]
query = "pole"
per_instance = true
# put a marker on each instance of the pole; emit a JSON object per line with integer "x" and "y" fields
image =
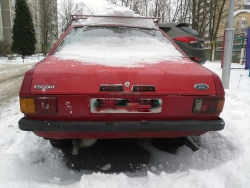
{"x": 228, "y": 47}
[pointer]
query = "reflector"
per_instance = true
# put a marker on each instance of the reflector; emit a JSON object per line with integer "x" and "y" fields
{"x": 208, "y": 105}
{"x": 27, "y": 105}
{"x": 38, "y": 105}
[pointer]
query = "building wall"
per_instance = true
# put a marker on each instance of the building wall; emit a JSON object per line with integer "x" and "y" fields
{"x": 54, "y": 25}
{"x": 1, "y": 25}
{"x": 237, "y": 22}
{"x": 7, "y": 15}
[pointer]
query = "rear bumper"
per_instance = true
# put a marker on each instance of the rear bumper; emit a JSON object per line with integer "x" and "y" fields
{"x": 119, "y": 127}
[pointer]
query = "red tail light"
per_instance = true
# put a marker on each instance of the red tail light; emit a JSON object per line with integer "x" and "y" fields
{"x": 195, "y": 58}
{"x": 187, "y": 39}
{"x": 208, "y": 105}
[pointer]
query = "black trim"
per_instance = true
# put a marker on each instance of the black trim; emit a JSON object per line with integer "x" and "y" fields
{"x": 111, "y": 88}
{"x": 143, "y": 88}
{"x": 182, "y": 25}
{"x": 129, "y": 126}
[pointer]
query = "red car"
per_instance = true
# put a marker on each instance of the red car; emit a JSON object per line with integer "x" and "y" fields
{"x": 118, "y": 77}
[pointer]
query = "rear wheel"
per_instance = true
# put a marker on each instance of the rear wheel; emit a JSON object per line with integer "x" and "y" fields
{"x": 60, "y": 143}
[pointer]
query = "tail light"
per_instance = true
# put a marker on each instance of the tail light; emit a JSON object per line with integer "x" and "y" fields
{"x": 38, "y": 105}
{"x": 195, "y": 58}
{"x": 208, "y": 105}
{"x": 187, "y": 39}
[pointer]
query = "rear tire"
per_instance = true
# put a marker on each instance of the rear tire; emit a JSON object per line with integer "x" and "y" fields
{"x": 60, "y": 143}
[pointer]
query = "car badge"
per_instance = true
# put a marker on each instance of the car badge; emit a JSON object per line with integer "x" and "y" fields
{"x": 127, "y": 84}
{"x": 201, "y": 86}
{"x": 44, "y": 87}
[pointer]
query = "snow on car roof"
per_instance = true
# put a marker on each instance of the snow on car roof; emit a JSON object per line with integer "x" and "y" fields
{"x": 114, "y": 15}
{"x": 131, "y": 21}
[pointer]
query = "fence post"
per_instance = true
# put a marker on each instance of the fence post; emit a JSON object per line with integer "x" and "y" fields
{"x": 248, "y": 51}
{"x": 213, "y": 47}
{"x": 242, "y": 55}
{"x": 222, "y": 57}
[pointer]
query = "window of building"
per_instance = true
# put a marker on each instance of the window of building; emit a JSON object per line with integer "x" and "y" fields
{"x": 243, "y": 29}
{"x": 246, "y": 6}
{"x": 13, "y": 2}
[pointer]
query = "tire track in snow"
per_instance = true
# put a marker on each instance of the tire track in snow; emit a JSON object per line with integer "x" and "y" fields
{"x": 11, "y": 77}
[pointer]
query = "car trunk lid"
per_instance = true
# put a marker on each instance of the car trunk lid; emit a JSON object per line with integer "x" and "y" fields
{"x": 54, "y": 76}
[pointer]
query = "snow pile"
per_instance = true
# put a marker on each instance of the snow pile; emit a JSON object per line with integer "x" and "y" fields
{"x": 118, "y": 11}
{"x": 110, "y": 13}
{"x": 120, "y": 52}
{"x": 241, "y": 11}
{"x": 130, "y": 22}
{"x": 101, "y": 7}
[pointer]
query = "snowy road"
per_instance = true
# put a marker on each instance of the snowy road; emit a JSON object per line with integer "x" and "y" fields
{"x": 11, "y": 76}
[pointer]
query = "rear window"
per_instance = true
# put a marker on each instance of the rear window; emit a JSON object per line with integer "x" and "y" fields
{"x": 116, "y": 46}
{"x": 91, "y": 34}
{"x": 189, "y": 30}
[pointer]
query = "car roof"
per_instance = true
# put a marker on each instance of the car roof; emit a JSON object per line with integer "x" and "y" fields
{"x": 133, "y": 21}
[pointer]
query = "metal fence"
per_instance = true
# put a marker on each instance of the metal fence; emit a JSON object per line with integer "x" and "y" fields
{"x": 214, "y": 50}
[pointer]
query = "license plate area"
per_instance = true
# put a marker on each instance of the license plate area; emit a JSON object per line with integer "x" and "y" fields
{"x": 124, "y": 105}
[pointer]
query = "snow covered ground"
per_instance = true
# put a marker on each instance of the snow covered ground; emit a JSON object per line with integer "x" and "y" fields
{"x": 223, "y": 161}
{"x": 11, "y": 75}
{"x": 18, "y": 60}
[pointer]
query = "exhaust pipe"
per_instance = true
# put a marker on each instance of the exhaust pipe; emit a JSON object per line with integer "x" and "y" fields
{"x": 82, "y": 143}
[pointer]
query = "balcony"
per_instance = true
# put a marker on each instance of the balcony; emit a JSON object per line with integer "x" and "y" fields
{"x": 247, "y": 7}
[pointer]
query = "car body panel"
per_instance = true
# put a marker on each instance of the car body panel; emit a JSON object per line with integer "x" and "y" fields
{"x": 66, "y": 76}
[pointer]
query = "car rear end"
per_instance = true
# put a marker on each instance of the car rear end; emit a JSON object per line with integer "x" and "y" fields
{"x": 117, "y": 86}
{"x": 189, "y": 40}
{"x": 146, "y": 108}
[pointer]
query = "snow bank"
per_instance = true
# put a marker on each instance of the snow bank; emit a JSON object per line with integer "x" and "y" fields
{"x": 19, "y": 60}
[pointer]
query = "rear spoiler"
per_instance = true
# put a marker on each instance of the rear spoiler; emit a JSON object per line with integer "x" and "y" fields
{"x": 183, "y": 24}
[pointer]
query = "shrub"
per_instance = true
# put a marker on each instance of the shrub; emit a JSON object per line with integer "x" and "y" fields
{"x": 24, "y": 39}
{"x": 4, "y": 49}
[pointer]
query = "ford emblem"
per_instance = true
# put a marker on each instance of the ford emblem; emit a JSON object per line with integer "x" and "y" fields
{"x": 201, "y": 86}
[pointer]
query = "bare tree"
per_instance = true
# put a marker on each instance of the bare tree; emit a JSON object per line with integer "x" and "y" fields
{"x": 47, "y": 19}
{"x": 202, "y": 15}
{"x": 66, "y": 9}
